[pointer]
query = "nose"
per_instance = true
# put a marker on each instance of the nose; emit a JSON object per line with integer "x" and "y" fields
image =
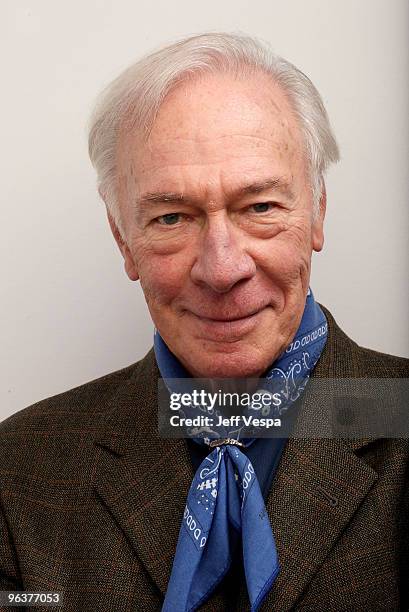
{"x": 222, "y": 260}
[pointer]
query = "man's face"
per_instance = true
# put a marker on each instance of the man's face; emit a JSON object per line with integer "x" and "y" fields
{"x": 217, "y": 211}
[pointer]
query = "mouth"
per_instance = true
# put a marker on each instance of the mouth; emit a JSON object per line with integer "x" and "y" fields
{"x": 231, "y": 328}
{"x": 228, "y": 319}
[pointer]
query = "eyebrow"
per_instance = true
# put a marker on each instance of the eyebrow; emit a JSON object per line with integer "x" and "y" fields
{"x": 272, "y": 183}
{"x": 165, "y": 196}
{"x": 252, "y": 188}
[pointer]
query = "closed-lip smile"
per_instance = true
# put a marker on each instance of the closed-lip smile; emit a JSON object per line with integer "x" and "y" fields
{"x": 227, "y": 329}
{"x": 237, "y": 316}
{"x": 228, "y": 319}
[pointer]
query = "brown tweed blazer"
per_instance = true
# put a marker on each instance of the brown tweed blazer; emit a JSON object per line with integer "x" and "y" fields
{"x": 91, "y": 501}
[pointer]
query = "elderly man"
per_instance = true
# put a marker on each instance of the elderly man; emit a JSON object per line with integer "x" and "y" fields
{"x": 210, "y": 156}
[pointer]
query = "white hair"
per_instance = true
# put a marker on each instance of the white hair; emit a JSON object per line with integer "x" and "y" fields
{"x": 137, "y": 94}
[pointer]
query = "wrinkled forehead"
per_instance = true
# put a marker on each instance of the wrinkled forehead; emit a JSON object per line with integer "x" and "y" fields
{"x": 217, "y": 119}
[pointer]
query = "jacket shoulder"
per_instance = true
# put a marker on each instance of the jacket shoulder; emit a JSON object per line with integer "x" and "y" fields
{"x": 65, "y": 424}
{"x": 384, "y": 364}
{"x": 345, "y": 358}
{"x": 88, "y": 399}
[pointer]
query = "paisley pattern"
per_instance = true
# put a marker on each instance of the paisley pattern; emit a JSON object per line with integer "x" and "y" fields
{"x": 224, "y": 503}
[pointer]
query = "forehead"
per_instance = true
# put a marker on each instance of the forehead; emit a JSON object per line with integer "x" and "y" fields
{"x": 217, "y": 124}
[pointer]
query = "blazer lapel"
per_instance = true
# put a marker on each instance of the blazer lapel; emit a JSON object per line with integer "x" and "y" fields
{"x": 317, "y": 489}
{"x": 319, "y": 484}
{"x": 141, "y": 478}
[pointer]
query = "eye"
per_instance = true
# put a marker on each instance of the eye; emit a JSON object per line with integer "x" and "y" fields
{"x": 169, "y": 219}
{"x": 261, "y": 207}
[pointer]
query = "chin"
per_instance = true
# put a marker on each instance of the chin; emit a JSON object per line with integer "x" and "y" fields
{"x": 229, "y": 366}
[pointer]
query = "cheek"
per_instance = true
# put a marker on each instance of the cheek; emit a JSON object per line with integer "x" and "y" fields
{"x": 163, "y": 278}
{"x": 286, "y": 258}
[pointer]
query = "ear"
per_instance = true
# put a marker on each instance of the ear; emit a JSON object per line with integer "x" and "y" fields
{"x": 130, "y": 266}
{"x": 318, "y": 223}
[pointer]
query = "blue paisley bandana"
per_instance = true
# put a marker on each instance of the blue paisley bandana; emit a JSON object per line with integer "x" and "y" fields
{"x": 224, "y": 504}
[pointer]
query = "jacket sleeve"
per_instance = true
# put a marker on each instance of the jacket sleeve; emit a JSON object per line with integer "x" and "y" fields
{"x": 404, "y": 541}
{"x": 10, "y": 577}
